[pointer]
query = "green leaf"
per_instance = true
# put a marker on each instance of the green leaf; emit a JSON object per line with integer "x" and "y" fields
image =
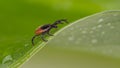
{"x": 99, "y": 33}
{"x": 93, "y": 41}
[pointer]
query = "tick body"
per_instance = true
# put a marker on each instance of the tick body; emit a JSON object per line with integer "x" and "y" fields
{"x": 45, "y": 29}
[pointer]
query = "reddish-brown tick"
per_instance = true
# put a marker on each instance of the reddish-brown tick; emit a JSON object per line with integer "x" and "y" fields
{"x": 45, "y": 29}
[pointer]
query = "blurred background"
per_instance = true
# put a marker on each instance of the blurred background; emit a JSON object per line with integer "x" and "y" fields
{"x": 19, "y": 18}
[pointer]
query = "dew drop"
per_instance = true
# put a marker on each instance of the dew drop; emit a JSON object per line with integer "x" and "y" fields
{"x": 109, "y": 24}
{"x": 71, "y": 38}
{"x": 91, "y": 32}
{"x": 102, "y": 32}
{"x": 99, "y": 26}
{"x": 100, "y": 20}
{"x": 7, "y": 59}
{"x": 94, "y": 41}
{"x": 80, "y": 28}
{"x": 115, "y": 14}
{"x": 94, "y": 28}
{"x": 112, "y": 27}
{"x": 84, "y": 32}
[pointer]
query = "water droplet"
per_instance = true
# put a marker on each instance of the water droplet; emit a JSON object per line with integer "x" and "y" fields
{"x": 115, "y": 14}
{"x": 80, "y": 28}
{"x": 102, "y": 32}
{"x": 112, "y": 27}
{"x": 109, "y": 24}
{"x": 7, "y": 59}
{"x": 94, "y": 28}
{"x": 99, "y": 26}
{"x": 100, "y": 20}
{"x": 71, "y": 38}
{"x": 84, "y": 32}
{"x": 94, "y": 41}
{"x": 91, "y": 32}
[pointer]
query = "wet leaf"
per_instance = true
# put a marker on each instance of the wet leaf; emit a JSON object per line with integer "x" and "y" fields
{"x": 91, "y": 42}
{"x": 99, "y": 33}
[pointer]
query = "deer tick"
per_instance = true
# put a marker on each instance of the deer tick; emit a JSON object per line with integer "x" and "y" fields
{"x": 45, "y": 29}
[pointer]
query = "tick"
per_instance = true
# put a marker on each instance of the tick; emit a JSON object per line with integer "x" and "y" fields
{"x": 45, "y": 29}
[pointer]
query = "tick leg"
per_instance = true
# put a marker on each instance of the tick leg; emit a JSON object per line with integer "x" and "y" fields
{"x": 60, "y": 21}
{"x": 42, "y": 37}
{"x": 63, "y": 20}
{"x": 48, "y": 32}
{"x": 33, "y": 39}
